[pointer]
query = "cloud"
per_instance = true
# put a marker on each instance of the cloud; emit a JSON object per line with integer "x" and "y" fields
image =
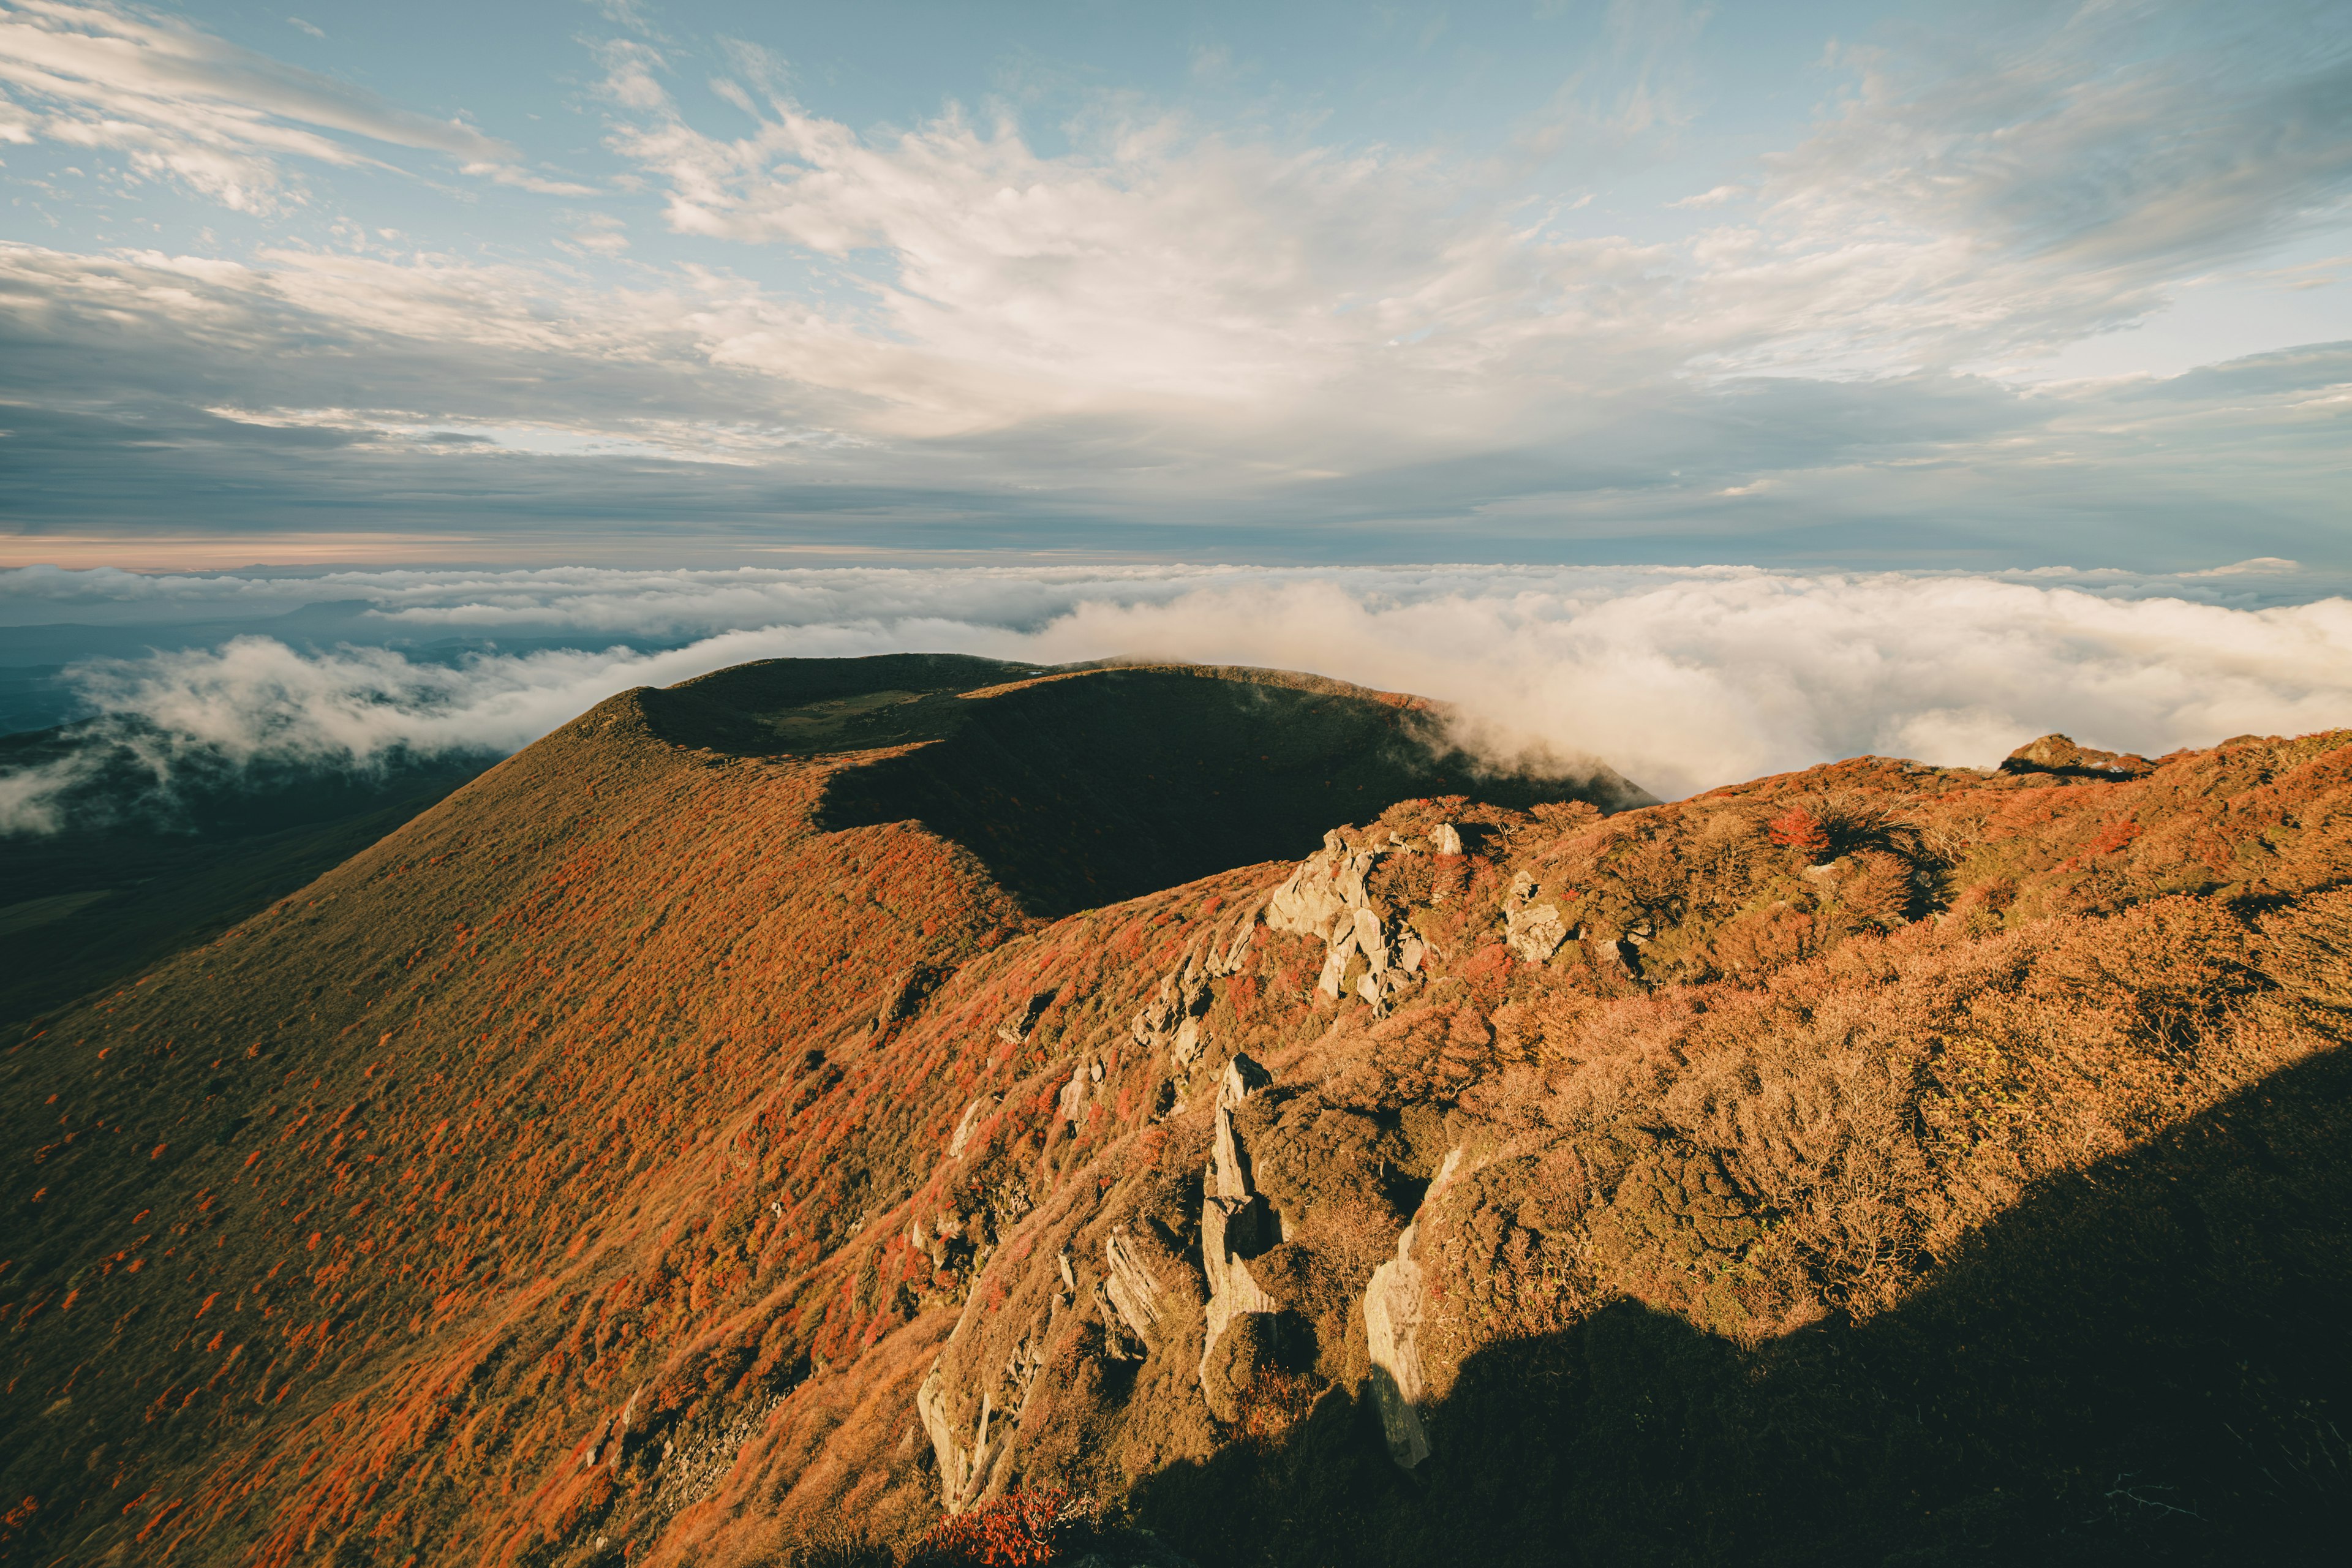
{"x": 218, "y": 119}
{"x": 1682, "y": 679}
{"x": 1151, "y": 335}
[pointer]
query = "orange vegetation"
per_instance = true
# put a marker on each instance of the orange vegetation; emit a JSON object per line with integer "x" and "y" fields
{"x": 569, "y": 1175}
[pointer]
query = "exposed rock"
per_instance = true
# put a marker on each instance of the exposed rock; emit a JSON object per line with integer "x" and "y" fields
{"x": 1234, "y": 1227}
{"x": 1243, "y": 1075}
{"x": 2059, "y": 754}
{"x": 1232, "y": 1172}
{"x": 1137, "y": 1296}
{"x": 1016, "y": 1029}
{"x": 1532, "y": 921}
{"x": 1372, "y": 940}
{"x": 1315, "y": 901}
{"x": 963, "y": 1472}
{"x": 1072, "y": 1101}
{"x": 1393, "y": 1311}
{"x": 970, "y": 1120}
{"x": 1445, "y": 838}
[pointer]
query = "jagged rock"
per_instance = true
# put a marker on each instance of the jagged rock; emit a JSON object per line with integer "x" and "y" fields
{"x": 1535, "y": 932}
{"x": 1243, "y": 1076}
{"x": 1392, "y": 1309}
{"x": 1445, "y": 838}
{"x": 1016, "y": 1029}
{"x": 962, "y": 1471}
{"x": 1233, "y": 1171}
{"x": 1234, "y": 1227}
{"x": 970, "y": 1120}
{"x": 1372, "y": 940}
{"x": 1532, "y": 922}
{"x": 1120, "y": 1341}
{"x": 1137, "y": 1295}
{"x": 1311, "y": 903}
{"x": 1072, "y": 1101}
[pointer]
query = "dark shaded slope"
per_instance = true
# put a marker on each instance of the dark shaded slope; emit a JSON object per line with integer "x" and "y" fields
{"x": 2144, "y": 1362}
{"x": 1081, "y": 787}
{"x": 141, "y": 866}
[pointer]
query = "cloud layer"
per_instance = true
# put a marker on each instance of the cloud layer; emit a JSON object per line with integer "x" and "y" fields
{"x": 1682, "y": 679}
{"x": 1143, "y": 326}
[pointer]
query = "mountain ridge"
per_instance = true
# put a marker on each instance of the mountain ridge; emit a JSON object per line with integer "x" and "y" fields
{"x": 708, "y": 1137}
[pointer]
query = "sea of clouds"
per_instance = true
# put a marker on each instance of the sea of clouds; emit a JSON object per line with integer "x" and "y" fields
{"x": 1681, "y": 678}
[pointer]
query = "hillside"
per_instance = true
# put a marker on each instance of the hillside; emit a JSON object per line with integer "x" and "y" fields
{"x": 705, "y": 1138}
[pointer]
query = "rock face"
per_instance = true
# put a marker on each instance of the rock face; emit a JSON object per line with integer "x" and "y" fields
{"x": 1171, "y": 1021}
{"x": 1533, "y": 924}
{"x": 2055, "y": 753}
{"x": 1236, "y": 1226}
{"x": 1393, "y": 1311}
{"x": 1328, "y": 898}
{"x": 1134, "y": 1292}
{"x": 961, "y": 1469}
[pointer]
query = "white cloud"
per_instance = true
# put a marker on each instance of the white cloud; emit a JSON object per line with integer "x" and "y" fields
{"x": 1170, "y": 323}
{"x": 185, "y": 105}
{"x": 1682, "y": 679}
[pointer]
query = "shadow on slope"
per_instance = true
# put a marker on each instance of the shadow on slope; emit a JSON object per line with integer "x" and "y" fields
{"x": 1082, "y": 787}
{"x": 2145, "y": 1362}
{"x": 142, "y": 863}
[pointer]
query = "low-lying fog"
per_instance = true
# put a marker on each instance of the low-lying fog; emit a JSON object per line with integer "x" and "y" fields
{"x": 1681, "y": 678}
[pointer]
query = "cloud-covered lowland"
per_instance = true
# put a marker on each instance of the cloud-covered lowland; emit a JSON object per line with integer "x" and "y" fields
{"x": 1681, "y": 678}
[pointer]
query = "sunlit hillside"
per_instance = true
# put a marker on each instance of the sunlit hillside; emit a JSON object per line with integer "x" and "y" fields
{"x": 773, "y": 1112}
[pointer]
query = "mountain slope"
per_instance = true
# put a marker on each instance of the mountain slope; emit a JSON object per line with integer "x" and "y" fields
{"x": 638, "y": 1153}
{"x": 293, "y": 1204}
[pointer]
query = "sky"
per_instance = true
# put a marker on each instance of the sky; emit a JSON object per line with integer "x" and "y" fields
{"x": 1713, "y": 389}
{"x": 1808, "y": 287}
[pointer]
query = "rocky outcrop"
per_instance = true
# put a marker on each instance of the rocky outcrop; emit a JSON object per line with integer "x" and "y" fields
{"x": 1071, "y": 1105}
{"x": 1533, "y": 924}
{"x": 2059, "y": 754}
{"x": 962, "y": 1470}
{"x": 969, "y": 1120}
{"x": 1328, "y": 898}
{"x": 1394, "y": 1303}
{"x": 1138, "y": 1299}
{"x": 1171, "y": 1021}
{"x": 1016, "y": 1029}
{"x": 1236, "y": 1224}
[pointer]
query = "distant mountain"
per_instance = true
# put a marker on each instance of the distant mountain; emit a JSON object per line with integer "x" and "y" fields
{"x": 836, "y": 1110}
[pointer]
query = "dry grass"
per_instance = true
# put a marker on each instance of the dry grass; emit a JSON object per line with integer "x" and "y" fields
{"x": 565, "y": 1110}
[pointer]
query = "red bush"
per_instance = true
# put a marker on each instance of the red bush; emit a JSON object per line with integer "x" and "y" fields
{"x": 1012, "y": 1530}
{"x": 1797, "y": 829}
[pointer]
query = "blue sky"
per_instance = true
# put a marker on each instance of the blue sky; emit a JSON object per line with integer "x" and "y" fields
{"x": 1835, "y": 286}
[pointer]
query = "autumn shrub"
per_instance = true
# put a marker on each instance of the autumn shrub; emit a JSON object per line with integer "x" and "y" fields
{"x": 1019, "y": 1529}
{"x": 1799, "y": 829}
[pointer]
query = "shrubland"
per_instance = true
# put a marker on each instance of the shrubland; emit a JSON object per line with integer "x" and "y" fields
{"x": 662, "y": 1149}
